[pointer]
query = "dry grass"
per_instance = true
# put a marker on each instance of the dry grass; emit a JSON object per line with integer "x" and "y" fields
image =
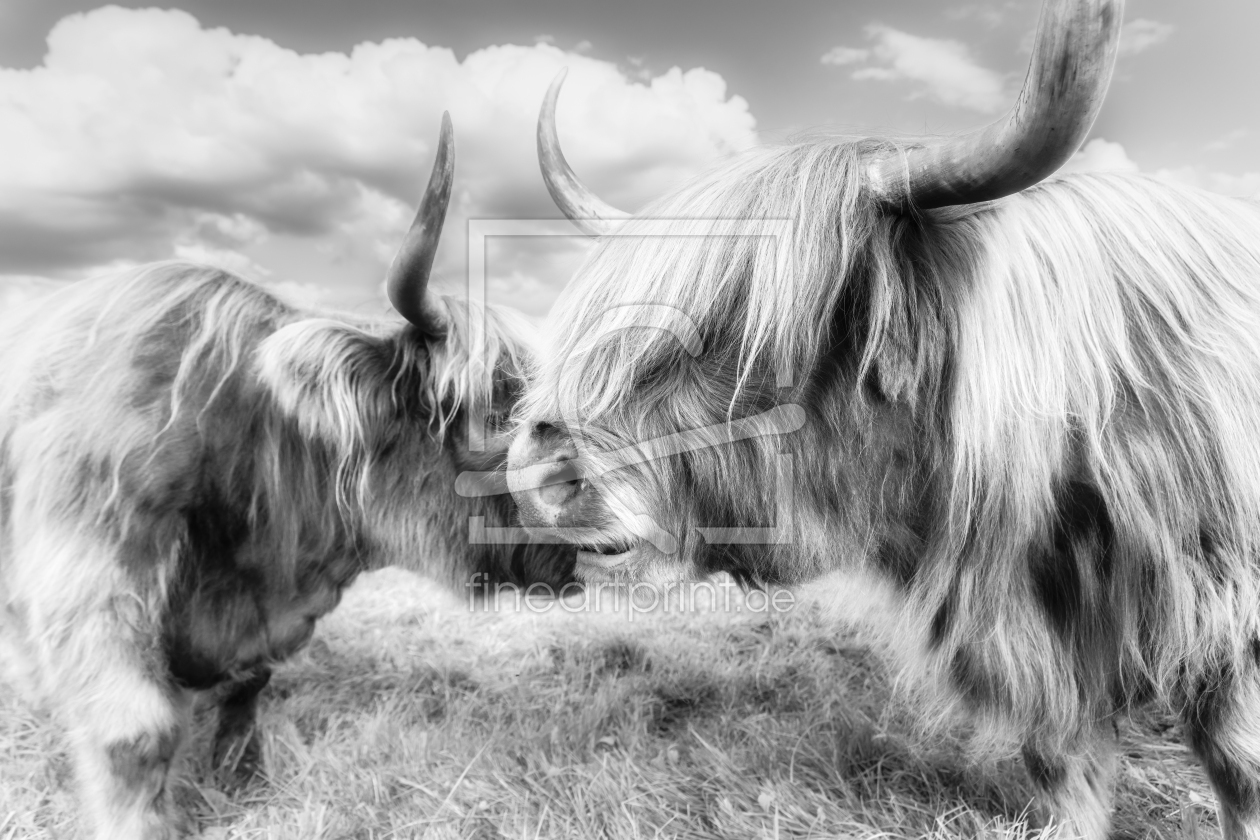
{"x": 409, "y": 716}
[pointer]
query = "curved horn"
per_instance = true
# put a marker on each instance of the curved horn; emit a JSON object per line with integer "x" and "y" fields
{"x": 585, "y": 209}
{"x": 408, "y": 278}
{"x": 1071, "y": 66}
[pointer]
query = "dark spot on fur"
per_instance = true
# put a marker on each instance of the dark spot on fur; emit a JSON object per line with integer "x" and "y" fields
{"x": 973, "y": 682}
{"x": 1131, "y": 688}
{"x": 214, "y": 604}
{"x": 872, "y": 386}
{"x": 1213, "y": 551}
{"x": 1235, "y": 785}
{"x": 1212, "y": 728}
{"x": 142, "y": 762}
{"x": 1057, "y": 583}
{"x": 897, "y": 560}
{"x": 1047, "y": 774}
{"x": 521, "y": 564}
{"x": 1207, "y": 543}
{"x": 1070, "y": 573}
{"x": 518, "y": 563}
{"x": 941, "y": 622}
{"x": 237, "y": 751}
{"x": 245, "y": 692}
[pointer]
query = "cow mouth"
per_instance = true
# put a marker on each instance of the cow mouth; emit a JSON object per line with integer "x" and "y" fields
{"x": 605, "y": 555}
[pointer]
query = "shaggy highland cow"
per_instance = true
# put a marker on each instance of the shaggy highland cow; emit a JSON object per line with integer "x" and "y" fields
{"x": 1026, "y": 411}
{"x": 191, "y": 472}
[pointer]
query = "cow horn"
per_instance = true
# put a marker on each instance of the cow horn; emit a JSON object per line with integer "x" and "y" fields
{"x": 408, "y": 278}
{"x": 1072, "y": 61}
{"x": 588, "y": 211}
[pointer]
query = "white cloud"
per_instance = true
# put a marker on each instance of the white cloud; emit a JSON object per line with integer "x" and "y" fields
{"x": 143, "y": 135}
{"x": 1227, "y": 141}
{"x": 305, "y": 295}
{"x": 1246, "y": 185}
{"x": 234, "y": 261}
{"x": 1140, "y": 34}
{"x": 941, "y": 68}
{"x": 839, "y": 56}
{"x": 1099, "y": 155}
{"x": 524, "y": 270}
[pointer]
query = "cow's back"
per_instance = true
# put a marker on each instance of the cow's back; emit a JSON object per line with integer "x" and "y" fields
{"x": 115, "y": 392}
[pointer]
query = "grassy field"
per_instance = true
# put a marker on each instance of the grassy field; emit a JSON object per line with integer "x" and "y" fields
{"x": 410, "y": 716}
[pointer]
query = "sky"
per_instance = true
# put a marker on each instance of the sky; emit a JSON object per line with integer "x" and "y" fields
{"x": 289, "y": 140}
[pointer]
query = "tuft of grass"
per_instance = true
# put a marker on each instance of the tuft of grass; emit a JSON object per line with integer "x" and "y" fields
{"x": 412, "y": 715}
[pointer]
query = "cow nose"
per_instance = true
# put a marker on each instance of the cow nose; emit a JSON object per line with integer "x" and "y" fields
{"x": 559, "y": 482}
{"x": 544, "y": 476}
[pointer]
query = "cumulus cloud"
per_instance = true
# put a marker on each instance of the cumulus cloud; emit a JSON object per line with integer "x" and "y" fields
{"x": 1099, "y": 155}
{"x": 144, "y": 135}
{"x": 940, "y": 68}
{"x": 1140, "y": 34}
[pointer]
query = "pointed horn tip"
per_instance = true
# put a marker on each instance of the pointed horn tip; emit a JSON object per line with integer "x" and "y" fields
{"x": 580, "y": 205}
{"x": 553, "y": 94}
{"x": 407, "y": 277}
{"x": 1046, "y": 126}
{"x": 446, "y": 137}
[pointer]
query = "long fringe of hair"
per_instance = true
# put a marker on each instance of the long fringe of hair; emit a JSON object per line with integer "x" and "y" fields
{"x": 1095, "y": 337}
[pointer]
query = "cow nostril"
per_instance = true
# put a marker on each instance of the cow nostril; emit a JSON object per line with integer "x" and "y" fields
{"x": 545, "y": 474}
{"x": 560, "y": 484}
{"x": 551, "y": 442}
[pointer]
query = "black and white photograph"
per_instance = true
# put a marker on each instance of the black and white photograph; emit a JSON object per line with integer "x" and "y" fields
{"x": 710, "y": 420}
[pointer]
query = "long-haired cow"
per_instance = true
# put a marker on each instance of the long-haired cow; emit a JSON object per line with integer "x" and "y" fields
{"x": 1027, "y": 410}
{"x": 191, "y": 472}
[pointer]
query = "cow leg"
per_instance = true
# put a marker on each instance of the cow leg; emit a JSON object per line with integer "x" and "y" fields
{"x": 125, "y": 731}
{"x": 1074, "y": 790}
{"x": 1223, "y": 728}
{"x": 94, "y": 640}
{"x": 237, "y": 751}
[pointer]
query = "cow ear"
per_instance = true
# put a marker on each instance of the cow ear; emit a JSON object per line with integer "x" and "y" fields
{"x": 893, "y": 370}
{"x": 886, "y": 310}
{"x": 328, "y": 376}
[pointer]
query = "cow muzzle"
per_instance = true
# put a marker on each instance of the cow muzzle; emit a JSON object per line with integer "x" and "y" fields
{"x": 557, "y": 498}
{"x": 544, "y": 477}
